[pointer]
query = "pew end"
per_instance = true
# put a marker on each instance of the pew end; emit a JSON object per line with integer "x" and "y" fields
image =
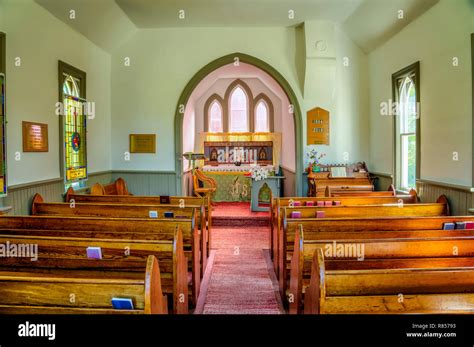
{"x": 444, "y": 200}
{"x": 154, "y": 298}
{"x": 37, "y": 199}
{"x": 69, "y": 193}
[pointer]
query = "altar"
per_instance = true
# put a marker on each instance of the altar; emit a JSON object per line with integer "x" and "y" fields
{"x": 234, "y": 184}
{"x": 229, "y": 159}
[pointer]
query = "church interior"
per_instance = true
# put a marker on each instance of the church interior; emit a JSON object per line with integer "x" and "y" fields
{"x": 239, "y": 157}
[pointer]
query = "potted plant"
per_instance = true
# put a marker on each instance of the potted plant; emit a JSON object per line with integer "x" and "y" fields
{"x": 314, "y": 158}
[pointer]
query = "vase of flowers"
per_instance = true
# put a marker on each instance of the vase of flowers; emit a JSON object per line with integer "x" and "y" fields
{"x": 314, "y": 158}
{"x": 258, "y": 173}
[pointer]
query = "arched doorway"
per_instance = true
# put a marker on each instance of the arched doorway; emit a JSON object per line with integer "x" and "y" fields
{"x": 209, "y": 68}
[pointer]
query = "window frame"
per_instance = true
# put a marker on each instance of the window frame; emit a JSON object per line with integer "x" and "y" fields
{"x": 412, "y": 71}
{"x": 207, "y": 112}
{"x": 263, "y": 97}
{"x": 3, "y": 155}
{"x": 66, "y": 69}
{"x": 248, "y": 107}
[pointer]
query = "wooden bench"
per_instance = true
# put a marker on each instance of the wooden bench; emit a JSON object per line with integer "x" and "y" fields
{"x": 422, "y": 285}
{"x": 332, "y": 192}
{"x": 278, "y": 203}
{"x": 186, "y": 201}
{"x": 115, "y": 228}
{"x": 81, "y": 292}
{"x": 440, "y": 208}
{"x": 196, "y": 213}
{"x": 119, "y": 187}
{"x": 118, "y": 255}
{"x": 324, "y": 230}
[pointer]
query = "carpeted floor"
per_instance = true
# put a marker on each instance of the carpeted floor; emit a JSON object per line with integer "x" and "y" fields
{"x": 239, "y": 278}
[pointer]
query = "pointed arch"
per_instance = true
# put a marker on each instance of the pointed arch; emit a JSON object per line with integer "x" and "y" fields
{"x": 207, "y": 109}
{"x": 248, "y": 93}
{"x": 263, "y": 97}
{"x": 264, "y": 66}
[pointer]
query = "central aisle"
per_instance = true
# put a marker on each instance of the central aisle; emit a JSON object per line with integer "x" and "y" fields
{"x": 240, "y": 277}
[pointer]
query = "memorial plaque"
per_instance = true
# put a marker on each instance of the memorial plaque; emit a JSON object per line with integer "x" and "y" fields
{"x": 142, "y": 143}
{"x": 317, "y": 126}
{"x": 35, "y": 137}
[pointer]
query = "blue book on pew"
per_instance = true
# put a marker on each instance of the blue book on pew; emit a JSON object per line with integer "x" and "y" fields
{"x": 122, "y": 304}
{"x": 448, "y": 226}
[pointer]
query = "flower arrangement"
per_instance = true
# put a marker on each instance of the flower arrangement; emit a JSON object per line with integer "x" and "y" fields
{"x": 314, "y": 157}
{"x": 258, "y": 173}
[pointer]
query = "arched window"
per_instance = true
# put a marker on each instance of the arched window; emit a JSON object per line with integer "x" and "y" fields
{"x": 262, "y": 118}
{"x": 239, "y": 118}
{"x": 408, "y": 133}
{"x": 216, "y": 118}
{"x": 406, "y": 126}
{"x": 74, "y": 126}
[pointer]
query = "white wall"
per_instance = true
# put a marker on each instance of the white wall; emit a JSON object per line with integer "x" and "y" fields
{"x": 440, "y": 34}
{"x": 145, "y": 94}
{"x": 40, "y": 40}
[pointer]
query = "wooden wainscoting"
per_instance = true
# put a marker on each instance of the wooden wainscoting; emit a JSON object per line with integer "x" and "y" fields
{"x": 460, "y": 197}
{"x": 148, "y": 182}
{"x": 383, "y": 182}
{"x": 19, "y": 196}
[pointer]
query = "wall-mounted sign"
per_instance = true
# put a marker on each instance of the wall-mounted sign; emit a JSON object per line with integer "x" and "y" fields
{"x": 35, "y": 137}
{"x": 317, "y": 126}
{"x": 142, "y": 143}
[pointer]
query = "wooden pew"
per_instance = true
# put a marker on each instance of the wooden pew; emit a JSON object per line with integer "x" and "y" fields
{"x": 332, "y": 192}
{"x": 419, "y": 285}
{"x": 197, "y": 213}
{"x": 115, "y": 228}
{"x": 119, "y": 187}
{"x": 186, "y": 201}
{"x": 411, "y": 228}
{"x": 278, "y": 203}
{"x": 118, "y": 256}
{"x": 40, "y": 292}
{"x": 440, "y": 208}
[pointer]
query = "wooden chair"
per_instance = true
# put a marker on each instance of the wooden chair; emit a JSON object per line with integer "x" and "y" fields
{"x": 199, "y": 181}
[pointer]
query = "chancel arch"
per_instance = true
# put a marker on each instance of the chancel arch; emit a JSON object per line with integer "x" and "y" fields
{"x": 264, "y": 94}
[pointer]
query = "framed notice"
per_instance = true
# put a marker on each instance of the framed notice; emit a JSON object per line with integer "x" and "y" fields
{"x": 35, "y": 137}
{"x": 142, "y": 143}
{"x": 317, "y": 126}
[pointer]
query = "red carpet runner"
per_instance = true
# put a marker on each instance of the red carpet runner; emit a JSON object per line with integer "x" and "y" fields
{"x": 239, "y": 278}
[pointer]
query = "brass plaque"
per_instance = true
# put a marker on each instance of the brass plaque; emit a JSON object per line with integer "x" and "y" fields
{"x": 142, "y": 143}
{"x": 35, "y": 137}
{"x": 317, "y": 126}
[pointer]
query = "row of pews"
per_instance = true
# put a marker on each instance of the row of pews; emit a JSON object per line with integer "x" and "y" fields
{"x": 93, "y": 249}
{"x": 372, "y": 254}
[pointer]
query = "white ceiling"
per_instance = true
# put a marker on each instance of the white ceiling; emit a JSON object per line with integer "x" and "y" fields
{"x": 212, "y": 13}
{"x": 108, "y": 23}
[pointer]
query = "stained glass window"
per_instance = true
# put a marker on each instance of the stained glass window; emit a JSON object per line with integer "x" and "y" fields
{"x": 74, "y": 131}
{"x": 238, "y": 111}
